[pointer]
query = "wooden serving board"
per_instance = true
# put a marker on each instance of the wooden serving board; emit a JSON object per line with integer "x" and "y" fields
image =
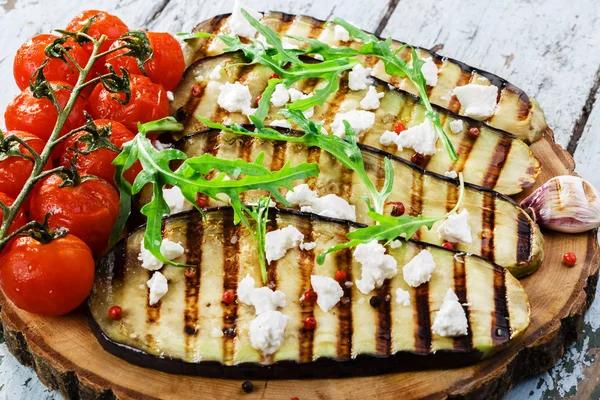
{"x": 67, "y": 357}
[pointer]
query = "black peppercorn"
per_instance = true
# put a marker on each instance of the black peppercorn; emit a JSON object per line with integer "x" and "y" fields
{"x": 375, "y": 301}
{"x": 247, "y": 387}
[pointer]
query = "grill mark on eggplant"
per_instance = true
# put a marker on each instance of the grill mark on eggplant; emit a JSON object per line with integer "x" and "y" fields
{"x": 194, "y": 230}
{"x": 416, "y": 198}
{"x": 313, "y": 156}
{"x": 336, "y": 101}
{"x": 211, "y": 146}
{"x": 524, "y": 109}
{"x": 488, "y": 220}
{"x": 451, "y": 197}
{"x": 383, "y": 335}
{"x": 278, "y": 158}
{"x": 524, "y": 237}
{"x": 118, "y": 270}
{"x": 230, "y": 282}
{"x": 499, "y": 156}
{"x": 500, "y": 319}
{"x": 343, "y": 261}
{"x": 216, "y": 24}
{"x": 465, "y": 147}
{"x": 153, "y": 312}
{"x": 463, "y": 79}
{"x": 245, "y": 149}
{"x": 460, "y": 289}
{"x": 423, "y": 325}
{"x": 306, "y": 263}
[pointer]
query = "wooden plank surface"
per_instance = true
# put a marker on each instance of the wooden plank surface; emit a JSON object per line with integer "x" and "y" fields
{"x": 548, "y": 48}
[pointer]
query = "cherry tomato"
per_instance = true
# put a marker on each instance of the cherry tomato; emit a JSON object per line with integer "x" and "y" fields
{"x": 166, "y": 66}
{"x": 570, "y": 258}
{"x": 15, "y": 170}
{"x": 148, "y": 102}
{"x": 47, "y": 279}
{"x": 38, "y": 116}
{"x": 20, "y": 219}
{"x": 31, "y": 55}
{"x": 99, "y": 162}
{"x": 88, "y": 210}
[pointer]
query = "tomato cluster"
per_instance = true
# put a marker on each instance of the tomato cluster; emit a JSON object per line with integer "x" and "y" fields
{"x": 53, "y": 277}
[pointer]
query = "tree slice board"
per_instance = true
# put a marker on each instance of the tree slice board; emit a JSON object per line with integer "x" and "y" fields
{"x": 67, "y": 357}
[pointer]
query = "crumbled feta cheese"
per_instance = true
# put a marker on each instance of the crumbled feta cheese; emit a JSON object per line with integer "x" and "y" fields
{"x": 308, "y": 246}
{"x": 235, "y": 97}
{"x": 281, "y": 123}
{"x": 307, "y": 209}
{"x": 348, "y": 284}
{"x": 388, "y": 137}
{"x": 309, "y": 112}
{"x": 262, "y": 299}
{"x": 395, "y": 244}
{"x": 278, "y": 242}
{"x": 456, "y": 228}
{"x": 456, "y": 126}
{"x": 318, "y": 57}
{"x": 402, "y": 297}
{"x": 175, "y": 200}
{"x": 169, "y": 250}
{"x": 215, "y": 74}
{"x": 328, "y": 206}
{"x": 280, "y": 96}
{"x": 430, "y": 72}
{"x": 158, "y": 286}
{"x": 376, "y": 266}
{"x": 301, "y": 195}
{"x": 160, "y": 146}
{"x": 238, "y": 24}
{"x": 267, "y": 331}
{"x": 451, "y": 174}
{"x": 359, "y": 77}
{"x": 451, "y": 320}
{"x": 341, "y": 33}
{"x": 422, "y": 138}
{"x": 263, "y": 41}
{"x": 371, "y": 99}
{"x": 478, "y": 101}
{"x": 419, "y": 269}
{"x": 289, "y": 46}
{"x": 329, "y": 291}
{"x": 295, "y": 94}
{"x": 361, "y": 121}
{"x": 216, "y": 332}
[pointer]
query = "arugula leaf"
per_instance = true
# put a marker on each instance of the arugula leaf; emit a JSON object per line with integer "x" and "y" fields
{"x": 264, "y": 104}
{"x": 259, "y": 214}
{"x": 390, "y": 228}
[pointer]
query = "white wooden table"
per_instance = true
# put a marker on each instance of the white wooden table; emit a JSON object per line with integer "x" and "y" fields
{"x": 547, "y": 47}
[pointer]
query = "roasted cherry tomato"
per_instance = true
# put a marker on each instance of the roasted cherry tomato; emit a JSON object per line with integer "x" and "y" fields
{"x": 166, "y": 66}
{"x": 47, "y": 279}
{"x": 38, "y": 116}
{"x": 15, "y": 170}
{"x": 20, "y": 219}
{"x": 148, "y": 102}
{"x": 88, "y": 209}
{"x": 99, "y": 162}
{"x": 104, "y": 24}
{"x": 31, "y": 55}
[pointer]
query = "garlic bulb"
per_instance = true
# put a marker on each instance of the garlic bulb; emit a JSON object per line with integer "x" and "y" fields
{"x": 565, "y": 204}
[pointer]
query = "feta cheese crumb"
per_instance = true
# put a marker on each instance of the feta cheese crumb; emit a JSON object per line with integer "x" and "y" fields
{"x": 388, "y": 137}
{"x": 478, "y": 101}
{"x": 262, "y": 299}
{"x": 280, "y": 96}
{"x": 158, "y": 286}
{"x": 419, "y": 269}
{"x": 319, "y": 57}
{"x": 267, "y": 331}
{"x": 301, "y": 195}
{"x": 295, "y": 94}
{"x": 361, "y": 121}
{"x": 281, "y": 123}
{"x": 216, "y": 332}
{"x": 175, "y": 200}
{"x": 238, "y": 24}
{"x": 359, "y": 77}
{"x": 456, "y": 228}
{"x": 396, "y": 244}
{"x": 215, "y": 74}
{"x": 371, "y": 99}
{"x": 170, "y": 250}
{"x": 456, "y": 126}
{"x": 235, "y": 97}
{"x": 308, "y": 246}
{"x": 278, "y": 242}
{"x": 451, "y": 174}
{"x": 430, "y": 72}
{"x": 328, "y": 206}
{"x": 329, "y": 291}
{"x": 422, "y": 138}
{"x": 376, "y": 266}
{"x": 451, "y": 320}
{"x": 402, "y": 297}
{"x": 341, "y": 33}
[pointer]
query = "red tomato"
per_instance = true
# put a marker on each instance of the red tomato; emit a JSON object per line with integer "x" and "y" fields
{"x": 166, "y": 66}
{"x": 104, "y": 24}
{"x": 20, "y": 219}
{"x": 148, "y": 102}
{"x": 38, "y": 116}
{"x": 99, "y": 162}
{"x": 88, "y": 210}
{"x": 15, "y": 170}
{"x": 47, "y": 279}
{"x": 31, "y": 55}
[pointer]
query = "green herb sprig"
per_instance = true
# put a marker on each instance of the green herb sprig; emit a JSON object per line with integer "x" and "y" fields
{"x": 259, "y": 214}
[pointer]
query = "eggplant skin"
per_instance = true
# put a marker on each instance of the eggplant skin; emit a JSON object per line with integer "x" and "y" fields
{"x": 176, "y": 335}
{"x": 516, "y": 112}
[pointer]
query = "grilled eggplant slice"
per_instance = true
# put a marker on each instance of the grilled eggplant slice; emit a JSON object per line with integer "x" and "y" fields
{"x": 190, "y": 331}
{"x": 502, "y": 232}
{"x": 516, "y": 112}
{"x": 493, "y": 159}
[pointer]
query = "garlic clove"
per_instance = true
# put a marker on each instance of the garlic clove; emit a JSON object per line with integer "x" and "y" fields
{"x": 565, "y": 204}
